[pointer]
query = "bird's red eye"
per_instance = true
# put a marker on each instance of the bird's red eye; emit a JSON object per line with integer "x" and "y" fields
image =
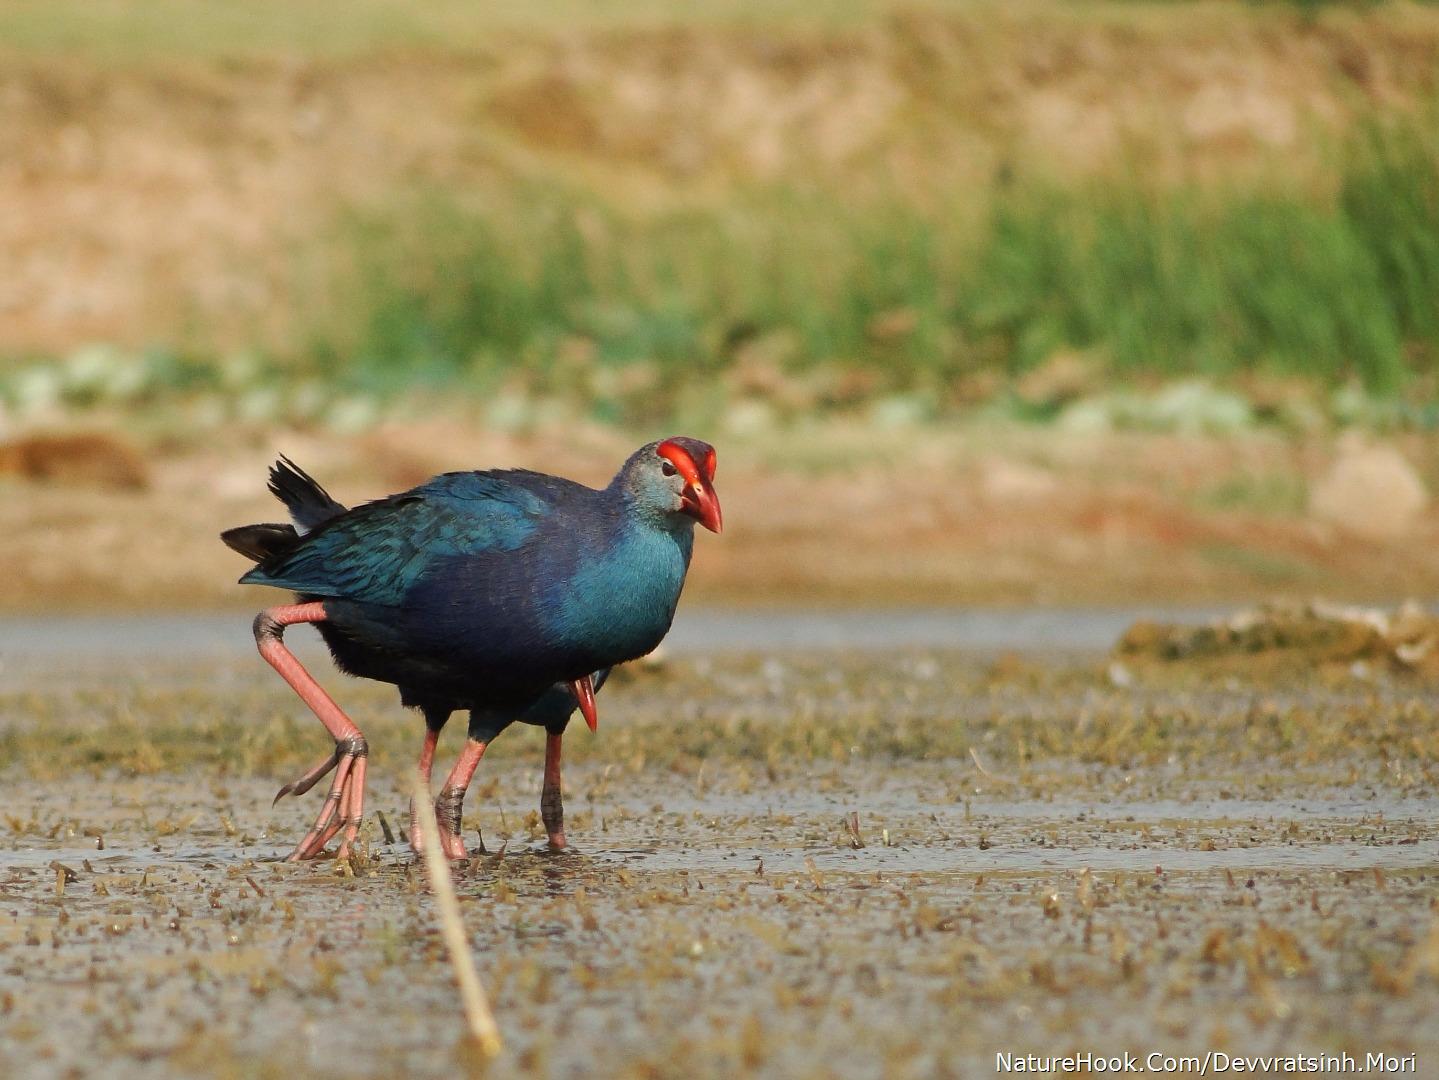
{"x": 668, "y": 467}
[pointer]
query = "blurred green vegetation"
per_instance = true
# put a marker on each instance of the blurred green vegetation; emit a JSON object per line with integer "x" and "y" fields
{"x": 1183, "y": 282}
{"x": 559, "y": 277}
{"x": 813, "y": 289}
{"x": 126, "y": 31}
{"x": 800, "y": 301}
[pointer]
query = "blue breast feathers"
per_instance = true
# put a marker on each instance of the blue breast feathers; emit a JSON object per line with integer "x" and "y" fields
{"x": 625, "y": 596}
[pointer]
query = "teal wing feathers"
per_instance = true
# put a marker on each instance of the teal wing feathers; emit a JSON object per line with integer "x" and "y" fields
{"x": 376, "y": 552}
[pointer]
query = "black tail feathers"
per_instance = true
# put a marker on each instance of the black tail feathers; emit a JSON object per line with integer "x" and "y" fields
{"x": 259, "y": 542}
{"x": 309, "y": 504}
{"x": 310, "y": 507}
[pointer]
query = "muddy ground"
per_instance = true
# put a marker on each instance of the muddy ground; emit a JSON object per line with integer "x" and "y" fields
{"x": 1057, "y": 856}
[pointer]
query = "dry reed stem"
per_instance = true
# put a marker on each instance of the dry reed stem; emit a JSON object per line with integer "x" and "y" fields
{"x": 472, "y": 992}
{"x": 974, "y": 755}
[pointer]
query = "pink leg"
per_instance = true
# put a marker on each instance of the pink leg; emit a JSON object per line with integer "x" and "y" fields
{"x": 450, "y": 803}
{"x": 552, "y": 805}
{"x": 426, "y": 766}
{"x": 344, "y": 805}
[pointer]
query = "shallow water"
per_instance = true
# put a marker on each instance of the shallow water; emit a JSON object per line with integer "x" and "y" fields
{"x": 1037, "y": 861}
{"x": 1339, "y": 831}
{"x": 696, "y": 631}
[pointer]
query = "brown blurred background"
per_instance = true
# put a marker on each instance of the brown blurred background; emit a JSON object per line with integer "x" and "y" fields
{"x": 988, "y": 303}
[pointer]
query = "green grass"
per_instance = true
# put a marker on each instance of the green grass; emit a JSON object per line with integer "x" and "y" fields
{"x": 127, "y": 32}
{"x": 140, "y": 31}
{"x": 1177, "y": 283}
{"x": 1180, "y": 282}
{"x": 632, "y": 313}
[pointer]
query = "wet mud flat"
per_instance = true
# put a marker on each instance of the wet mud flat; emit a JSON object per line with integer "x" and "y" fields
{"x": 813, "y": 865}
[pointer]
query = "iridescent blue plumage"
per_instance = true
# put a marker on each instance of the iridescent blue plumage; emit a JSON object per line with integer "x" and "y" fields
{"x": 406, "y": 534}
{"x": 376, "y": 552}
{"x": 489, "y": 591}
{"x": 480, "y": 590}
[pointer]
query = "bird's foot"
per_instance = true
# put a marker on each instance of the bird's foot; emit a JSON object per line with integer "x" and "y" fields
{"x": 344, "y": 805}
{"x": 449, "y": 810}
{"x": 449, "y": 804}
{"x": 450, "y": 843}
{"x": 553, "y": 815}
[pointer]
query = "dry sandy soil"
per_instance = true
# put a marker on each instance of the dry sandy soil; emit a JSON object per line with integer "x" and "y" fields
{"x": 828, "y": 516}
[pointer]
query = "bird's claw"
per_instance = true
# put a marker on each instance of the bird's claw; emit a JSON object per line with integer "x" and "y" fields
{"x": 311, "y": 776}
{"x": 344, "y": 805}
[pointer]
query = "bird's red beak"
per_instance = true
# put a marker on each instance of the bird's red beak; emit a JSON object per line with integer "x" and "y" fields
{"x": 700, "y": 502}
{"x": 584, "y": 691}
{"x": 698, "y": 499}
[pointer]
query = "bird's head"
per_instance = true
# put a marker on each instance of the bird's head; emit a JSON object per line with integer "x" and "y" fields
{"x": 675, "y": 477}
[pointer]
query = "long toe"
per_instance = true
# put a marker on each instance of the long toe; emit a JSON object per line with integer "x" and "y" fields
{"x": 310, "y": 777}
{"x": 352, "y": 808}
{"x": 344, "y": 804}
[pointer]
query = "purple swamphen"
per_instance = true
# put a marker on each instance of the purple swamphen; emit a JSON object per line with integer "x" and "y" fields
{"x": 310, "y": 506}
{"x": 508, "y": 593}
